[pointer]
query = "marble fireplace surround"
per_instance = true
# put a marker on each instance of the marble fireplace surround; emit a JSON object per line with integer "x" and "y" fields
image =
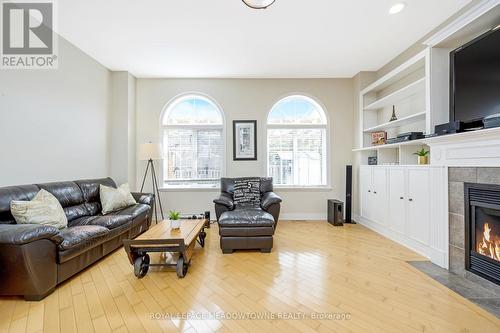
{"x": 457, "y": 176}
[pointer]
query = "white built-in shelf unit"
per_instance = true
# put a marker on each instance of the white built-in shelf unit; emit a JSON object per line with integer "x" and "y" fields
{"x": 405, "y": 89}
{"x": 419, "y": 90}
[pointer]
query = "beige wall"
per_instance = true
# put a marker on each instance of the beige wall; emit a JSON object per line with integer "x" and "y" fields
{"x": 122, "y": 166}
{"x": 54, "y": 123}
{"x": 252, "y": 99}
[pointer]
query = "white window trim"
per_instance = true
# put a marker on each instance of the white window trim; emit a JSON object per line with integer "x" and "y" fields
{"x": 328, "y": 186}
{"x": 195, "y": 183}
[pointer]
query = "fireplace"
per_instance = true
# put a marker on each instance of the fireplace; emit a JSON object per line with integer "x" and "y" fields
{"x": 482, "y": 230}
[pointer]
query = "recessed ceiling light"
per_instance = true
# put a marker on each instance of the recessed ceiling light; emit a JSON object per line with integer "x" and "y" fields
{"x": 397, "y": 8}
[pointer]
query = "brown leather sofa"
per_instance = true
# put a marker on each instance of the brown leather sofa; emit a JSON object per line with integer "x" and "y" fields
{"x": 243, "y": 227}
{"x": 34, "y": 259}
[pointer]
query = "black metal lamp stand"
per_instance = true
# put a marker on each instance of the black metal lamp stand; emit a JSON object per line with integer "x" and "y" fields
{"x": 156, "y": 191}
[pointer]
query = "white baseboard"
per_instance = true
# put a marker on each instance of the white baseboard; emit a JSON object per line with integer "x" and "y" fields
{"x": 436, "y": 256}
{"x": 303, "y": 216}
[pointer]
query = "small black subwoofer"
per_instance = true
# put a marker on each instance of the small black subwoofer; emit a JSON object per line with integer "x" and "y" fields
{"x": 335, "y": 212}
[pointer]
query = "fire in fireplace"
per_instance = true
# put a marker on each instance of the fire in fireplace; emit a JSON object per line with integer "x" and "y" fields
{"x": 482, "y": 230}
{"x": 488, "y": 242}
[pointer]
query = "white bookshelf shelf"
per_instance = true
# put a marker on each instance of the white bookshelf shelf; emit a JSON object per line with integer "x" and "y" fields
{"x": 397, "y": 123}
{"x": 393, "y": 145}
{"x": 410, "y": 66}
{"x": 401, "y": 94}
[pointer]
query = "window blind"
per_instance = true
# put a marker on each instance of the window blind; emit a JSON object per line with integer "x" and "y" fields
{"x": 193, "y": 154}
{"x": 297, "y": 156}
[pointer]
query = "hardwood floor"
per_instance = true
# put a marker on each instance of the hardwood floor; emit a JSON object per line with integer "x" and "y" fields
{"x": 314, "y": 269}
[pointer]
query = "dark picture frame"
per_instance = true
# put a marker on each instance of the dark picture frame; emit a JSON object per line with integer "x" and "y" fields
{"x": 244, "y": 140}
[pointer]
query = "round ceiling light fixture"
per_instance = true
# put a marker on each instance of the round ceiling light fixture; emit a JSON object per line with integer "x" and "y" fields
{"x": 397, "y": 8}
{"x": 258, "y": 4}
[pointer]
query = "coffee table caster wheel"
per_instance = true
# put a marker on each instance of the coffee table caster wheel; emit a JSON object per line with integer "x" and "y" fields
{"x": 181, "y": 267}
{"x": 203, "y": 235}
{"x": 141, "y": 266}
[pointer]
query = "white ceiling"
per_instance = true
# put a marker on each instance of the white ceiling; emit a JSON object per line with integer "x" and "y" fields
{"x": 224, "y": 38}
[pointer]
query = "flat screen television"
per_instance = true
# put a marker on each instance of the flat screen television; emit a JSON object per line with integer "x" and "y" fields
{"x": 475, "y": 79}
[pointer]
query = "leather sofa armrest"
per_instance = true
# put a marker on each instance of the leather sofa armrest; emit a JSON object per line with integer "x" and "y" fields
{"x": 225, "y": 200}
{"x": 144, "y": 198}
{"x": 268, "y": 199}
{"x": 19, "y": 234}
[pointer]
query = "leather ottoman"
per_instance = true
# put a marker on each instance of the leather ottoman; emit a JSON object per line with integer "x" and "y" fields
{"x": 246, "y": 228}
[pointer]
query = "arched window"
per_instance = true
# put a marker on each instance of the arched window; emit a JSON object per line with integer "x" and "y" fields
{"x": 193, "y": 142}
{"x": 297, "y": 142}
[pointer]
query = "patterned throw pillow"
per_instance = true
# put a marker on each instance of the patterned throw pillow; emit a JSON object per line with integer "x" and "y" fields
{"x": 247, "y": 192}
{"x": 44, "y": 209}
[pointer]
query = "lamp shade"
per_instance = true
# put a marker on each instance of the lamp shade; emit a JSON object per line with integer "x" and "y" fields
{"x": 150, "y": 151}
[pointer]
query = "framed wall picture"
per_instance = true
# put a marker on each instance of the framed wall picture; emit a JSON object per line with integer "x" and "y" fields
{"x": 244, "y": 140}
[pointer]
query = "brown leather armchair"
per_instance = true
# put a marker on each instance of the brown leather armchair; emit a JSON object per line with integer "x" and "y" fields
{"x": 247, "y": 227}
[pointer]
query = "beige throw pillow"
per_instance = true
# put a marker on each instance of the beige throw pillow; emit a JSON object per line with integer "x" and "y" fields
{"x": 115, "y": 198}
{"x": 44, "y": 208}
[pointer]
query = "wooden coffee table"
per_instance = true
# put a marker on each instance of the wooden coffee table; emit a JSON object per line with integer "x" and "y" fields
{"x": 162, "y": 238}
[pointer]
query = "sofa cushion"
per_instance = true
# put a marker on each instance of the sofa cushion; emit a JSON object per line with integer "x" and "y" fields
{"x": 108, "y": 221}
{"x": 68, "y": 193}
{"x": 43, "y": 209}
{"x": 90, "y": 188}
{"x": 70, "y": 196}
{"x": 74, "y": 212}
{"x": 81, "y": 239}
{"x": 246, "y": 217}
{"x": 81, "y": 236}
{"x": 266, "y": 184}
{"x": 247, "y": 192}
{"x": 134, "y": 210}
{"x": 113, "y": 199}
{"x": 227, "y": 184}
{"x": 246, "y": 231}
{"x": 7, "y": 194}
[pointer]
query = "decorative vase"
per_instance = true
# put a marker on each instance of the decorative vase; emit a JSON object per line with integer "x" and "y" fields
{"x": 175, "y": 224}
{"x": 423, "y": 160}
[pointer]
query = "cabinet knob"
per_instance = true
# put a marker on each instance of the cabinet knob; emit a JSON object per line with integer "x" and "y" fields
{"x": 369, "y": 191}
{"x": 401, "y": 198}
{"x": 375, "y": 192}
{"x": 410, "y": 199}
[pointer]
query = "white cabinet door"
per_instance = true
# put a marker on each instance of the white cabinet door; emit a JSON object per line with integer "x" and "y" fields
{"x": 397, "y": 200}
{"x": 379, "y": 195}
{"x": 365, "y": 185}
{"x": 418, "y": 205}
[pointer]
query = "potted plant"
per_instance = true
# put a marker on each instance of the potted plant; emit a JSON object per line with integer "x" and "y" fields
{"x": 175, "y": 223}
{"x": 423, "y": 156}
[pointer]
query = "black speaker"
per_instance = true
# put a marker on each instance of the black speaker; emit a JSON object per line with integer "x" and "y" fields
{"x": 348, "y": 194}
{"x": 335, "y": 212}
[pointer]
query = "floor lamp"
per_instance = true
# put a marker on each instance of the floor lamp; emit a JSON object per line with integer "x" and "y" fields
{"x": 149, "y": 152}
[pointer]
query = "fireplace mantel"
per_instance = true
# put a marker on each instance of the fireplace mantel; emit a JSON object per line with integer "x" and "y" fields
{"x": 478, "y": 148}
